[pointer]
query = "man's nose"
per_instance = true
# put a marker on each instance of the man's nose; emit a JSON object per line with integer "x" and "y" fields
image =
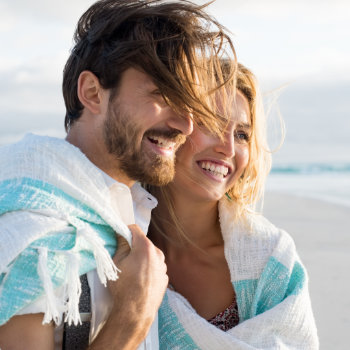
{"x": 183, "y": 122}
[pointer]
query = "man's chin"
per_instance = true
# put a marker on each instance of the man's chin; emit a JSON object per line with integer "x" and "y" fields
{"x": 160, "y": 176}
{"x": 160, "y": 172}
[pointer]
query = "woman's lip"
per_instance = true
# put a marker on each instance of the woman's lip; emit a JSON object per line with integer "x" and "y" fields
{"x": 211, "y": 175}
{"x": 216, "y": 161}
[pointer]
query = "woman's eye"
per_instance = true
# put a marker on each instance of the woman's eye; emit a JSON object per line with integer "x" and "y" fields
{"x": 242, "y": 136}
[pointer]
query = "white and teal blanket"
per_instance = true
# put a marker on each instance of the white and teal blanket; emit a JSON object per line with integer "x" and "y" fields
{"x": 271, "y": 287}
{"x": 43, "y": 177}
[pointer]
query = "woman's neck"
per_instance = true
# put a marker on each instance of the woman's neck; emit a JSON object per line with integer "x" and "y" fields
{"x": 198, "y": 219}
{"x": 197, "y": 267}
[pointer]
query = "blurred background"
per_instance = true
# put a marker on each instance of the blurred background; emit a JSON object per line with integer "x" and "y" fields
{"x": 299, "y": 51}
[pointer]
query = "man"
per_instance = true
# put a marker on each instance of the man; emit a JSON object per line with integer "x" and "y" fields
{"x": 137, "y": 77}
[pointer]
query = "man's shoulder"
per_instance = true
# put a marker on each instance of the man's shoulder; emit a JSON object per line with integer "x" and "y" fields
{"x": 31, "y": 139}
{"x": 32, "y": 148}
{"x": 36, "y": 155}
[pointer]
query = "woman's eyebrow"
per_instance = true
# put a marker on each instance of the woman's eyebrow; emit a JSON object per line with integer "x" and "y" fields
{"x": 244, "y": 125}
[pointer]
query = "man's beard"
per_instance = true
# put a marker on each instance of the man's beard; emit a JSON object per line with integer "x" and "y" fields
{"x": 122, "y": 135}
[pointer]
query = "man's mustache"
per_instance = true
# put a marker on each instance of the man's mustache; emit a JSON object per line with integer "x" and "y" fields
{"x": 171, "y": 135}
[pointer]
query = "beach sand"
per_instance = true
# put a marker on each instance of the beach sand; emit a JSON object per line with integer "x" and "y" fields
{"x": 321, "y": 231}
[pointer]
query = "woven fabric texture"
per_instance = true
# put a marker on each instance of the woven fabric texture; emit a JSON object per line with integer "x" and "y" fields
{"x": 52, "y": 178}
{"x": 271, "y": 287}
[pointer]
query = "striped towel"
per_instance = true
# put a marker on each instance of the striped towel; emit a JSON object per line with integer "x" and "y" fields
{"x": 52, "y": 178}
{"x": 271, "y": 287}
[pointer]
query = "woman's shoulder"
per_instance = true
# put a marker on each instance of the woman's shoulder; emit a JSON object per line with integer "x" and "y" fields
{"x": 254, "y": 245}
{"x": 258, "y": 224}
{"x": 249, "y": 223}
{"x": 252, "y": 231}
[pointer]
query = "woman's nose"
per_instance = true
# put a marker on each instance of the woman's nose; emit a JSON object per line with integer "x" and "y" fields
{"x": 226, "y": 146}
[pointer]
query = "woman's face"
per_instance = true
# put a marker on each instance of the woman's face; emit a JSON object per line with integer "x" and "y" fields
{"x": 206, "y": 167}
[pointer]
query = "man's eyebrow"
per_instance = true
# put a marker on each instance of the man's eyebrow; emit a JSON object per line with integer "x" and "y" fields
{"x": 151, "y": 83}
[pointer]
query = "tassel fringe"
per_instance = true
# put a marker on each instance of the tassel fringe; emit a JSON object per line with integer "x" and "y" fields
{"x": 53, "y": 307}
{"x": 105, "y": 266}
{"x": 72, "y": 289}
{"x": 68, "y": 303}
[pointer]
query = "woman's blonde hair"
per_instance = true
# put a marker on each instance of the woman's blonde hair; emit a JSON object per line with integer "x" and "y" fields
{"x": 249, "y": 188}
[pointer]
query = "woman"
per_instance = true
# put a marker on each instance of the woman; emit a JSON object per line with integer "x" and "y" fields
{"x": 236, "y": 281}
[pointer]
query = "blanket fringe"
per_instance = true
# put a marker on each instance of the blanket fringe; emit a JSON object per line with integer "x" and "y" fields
{"x": 106, "y": 269}
{"x": 68, "y": 303}
{"x": 53, "y": 305}
{"x": 72, "y": 289}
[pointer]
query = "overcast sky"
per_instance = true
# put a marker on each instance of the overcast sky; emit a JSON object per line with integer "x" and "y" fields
{"x": 302, "y": 44}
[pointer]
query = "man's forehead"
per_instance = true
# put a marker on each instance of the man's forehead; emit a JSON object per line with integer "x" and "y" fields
{"x": 144, "y": 79}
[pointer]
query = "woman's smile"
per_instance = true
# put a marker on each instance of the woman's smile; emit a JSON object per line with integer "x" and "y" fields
{"x": 216, "y": 170}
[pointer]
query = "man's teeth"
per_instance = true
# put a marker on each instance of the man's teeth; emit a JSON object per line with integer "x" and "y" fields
{"x": 217, "y": 170}
{"x": 162, "y": 142}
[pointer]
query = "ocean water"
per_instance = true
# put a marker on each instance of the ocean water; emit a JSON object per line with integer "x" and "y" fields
{"x": 316, "y": 169}
{"x": 319, "y": 181}
{"x": 314, "y": 159}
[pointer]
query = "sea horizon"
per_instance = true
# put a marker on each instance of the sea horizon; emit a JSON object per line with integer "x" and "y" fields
{"x": 327, "y": 181}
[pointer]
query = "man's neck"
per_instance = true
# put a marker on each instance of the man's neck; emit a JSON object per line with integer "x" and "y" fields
{"x": 96, "y": 151}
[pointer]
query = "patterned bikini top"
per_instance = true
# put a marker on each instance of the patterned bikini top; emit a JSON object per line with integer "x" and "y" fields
{"x": 226, "y": 319}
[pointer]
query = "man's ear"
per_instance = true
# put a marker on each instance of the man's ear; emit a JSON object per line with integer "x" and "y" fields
{"x": 90, "y": 92}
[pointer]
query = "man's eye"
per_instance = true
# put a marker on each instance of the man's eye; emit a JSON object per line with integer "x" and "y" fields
{"x": 156, "y": 92}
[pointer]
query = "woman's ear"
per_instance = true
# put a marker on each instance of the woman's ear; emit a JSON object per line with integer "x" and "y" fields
{"x": 90, "y": 92}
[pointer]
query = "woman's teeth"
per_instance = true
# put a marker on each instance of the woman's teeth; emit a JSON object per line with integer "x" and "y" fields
{"x": 217, "y": 170}
{"x": 162, "y": 142}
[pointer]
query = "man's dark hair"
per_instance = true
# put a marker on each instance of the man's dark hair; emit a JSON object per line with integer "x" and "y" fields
{"x": 176, "y": 43}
